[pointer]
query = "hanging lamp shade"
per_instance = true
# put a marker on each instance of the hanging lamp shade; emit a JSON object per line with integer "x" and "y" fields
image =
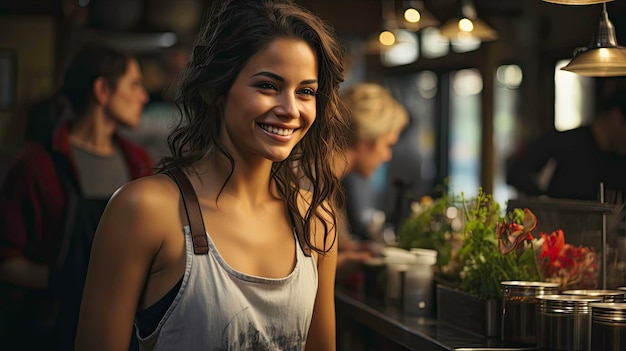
{"x": 381, "y": 42}
{"x": 468, "y": 26}
{"x": 603, "y": 57}
{"x": 416, "y": 17}
{"x": 577, "y": 2}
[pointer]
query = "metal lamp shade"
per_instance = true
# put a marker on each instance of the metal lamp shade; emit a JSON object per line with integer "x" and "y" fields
{"x": 603, "y": 57}
{"x": 599, "y": 62}
{"x": 481, "y": 30}
{"x": 577, "y": 2}
{"x": 426, "y": 18}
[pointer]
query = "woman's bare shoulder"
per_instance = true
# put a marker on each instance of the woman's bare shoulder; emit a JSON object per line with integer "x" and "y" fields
{"x": 147, "y": 192}
{"x": 148, "y": 204}
{"x": 139, "y": 219}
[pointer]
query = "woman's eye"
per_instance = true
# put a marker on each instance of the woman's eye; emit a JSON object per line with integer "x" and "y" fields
{"x": 267, "y": 86}
{"x": 308, "y": 91}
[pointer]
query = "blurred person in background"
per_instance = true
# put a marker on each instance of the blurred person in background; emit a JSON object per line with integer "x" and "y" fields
{"x": 54, "y": 194}
{"x": 572, "y": 164}
{"x": 376, "y": 120}
{"x": 161, "y": 114}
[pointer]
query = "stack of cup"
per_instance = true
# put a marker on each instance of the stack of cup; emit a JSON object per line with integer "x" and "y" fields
{"x": 375, "y": 280}
{"x": 519, "y": 306}
{"x": 397, "y": 262}
{"x": 410, "y": 276}
{"x": 419, "y": 284}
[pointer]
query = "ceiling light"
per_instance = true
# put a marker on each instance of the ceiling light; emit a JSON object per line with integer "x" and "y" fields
{"x": 603, "y": 57}
{"x": 403, "y": 51}
{"x": 416, "y": 16}
{"x": 468, "y": 25}
{"x": 577, "y": 2}
{"x": 386, "y": 38}
{"x": 411, "y": 15}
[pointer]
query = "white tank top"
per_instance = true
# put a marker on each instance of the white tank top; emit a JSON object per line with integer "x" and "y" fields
{"x": 219, "y": 308}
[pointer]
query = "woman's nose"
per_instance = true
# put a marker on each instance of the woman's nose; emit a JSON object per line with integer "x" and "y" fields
{"x": 287, "y": 106}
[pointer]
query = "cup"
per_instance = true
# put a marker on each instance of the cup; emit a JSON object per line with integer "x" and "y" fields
{"x": 608, "y": 326}
{"x": 418, "y": 283}
{"x": 564, "y": 322}
{"x": 375, "y": 280}
{"x": 519, "y": 305}
{"x": 397, "y": 262}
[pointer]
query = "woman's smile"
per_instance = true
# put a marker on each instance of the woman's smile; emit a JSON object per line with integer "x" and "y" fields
{"x": 285, "y": 132}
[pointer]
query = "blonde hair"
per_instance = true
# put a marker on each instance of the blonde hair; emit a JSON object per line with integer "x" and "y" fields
{"x": 373, "y": 112}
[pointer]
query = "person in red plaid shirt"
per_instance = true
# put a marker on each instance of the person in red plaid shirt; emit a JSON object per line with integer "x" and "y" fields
{"x": 59, "y": 187}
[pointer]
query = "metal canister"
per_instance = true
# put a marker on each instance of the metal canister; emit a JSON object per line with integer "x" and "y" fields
{"x": 519, "y": 305}
{"x": 606, "y": 295}
{"x": 608, "y": 326}
{"x": 563, "y": 322}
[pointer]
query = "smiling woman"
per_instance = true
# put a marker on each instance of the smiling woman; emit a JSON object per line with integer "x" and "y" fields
{"x": 274, "y": 95}
{"x": 260, "y": 97}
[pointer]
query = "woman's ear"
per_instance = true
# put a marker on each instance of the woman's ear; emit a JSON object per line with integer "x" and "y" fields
{"x": 101, "y": 91}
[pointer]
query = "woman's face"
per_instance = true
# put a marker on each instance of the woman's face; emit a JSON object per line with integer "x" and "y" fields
{"x": 272, "y": 102}
{"x": 126, "y": 100}
{"x": 370, "y": 154}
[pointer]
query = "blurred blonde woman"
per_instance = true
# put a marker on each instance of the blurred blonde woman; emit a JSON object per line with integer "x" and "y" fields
{"x": 376, "y": 120}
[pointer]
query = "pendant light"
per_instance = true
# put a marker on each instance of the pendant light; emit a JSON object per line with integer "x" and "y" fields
{"x": 416, "y": 17}
{"x": 394, "y": 44}
{"x": 386, "y": 38}
{"x": 468, "y": 26}
{"x": 603, "y": 57}
{"x": 577, "y": 2}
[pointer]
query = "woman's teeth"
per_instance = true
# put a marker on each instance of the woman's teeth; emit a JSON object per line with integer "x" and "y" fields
{"x": 277, "y": 131}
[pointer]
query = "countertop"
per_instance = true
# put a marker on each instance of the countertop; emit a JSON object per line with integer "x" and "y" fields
{"x": 411, "y": 332}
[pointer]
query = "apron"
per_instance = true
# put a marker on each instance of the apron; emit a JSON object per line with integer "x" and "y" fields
{"x": 67, "y": 277}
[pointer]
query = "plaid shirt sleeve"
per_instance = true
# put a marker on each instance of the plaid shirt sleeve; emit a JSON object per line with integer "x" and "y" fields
{"x": 32, "y": 204}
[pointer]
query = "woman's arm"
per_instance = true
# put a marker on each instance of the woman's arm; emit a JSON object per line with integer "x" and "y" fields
{"x": 23, "y": 272}
{"x": 31, "y": 203}
{"x": 322, "y": 333}
{"x": 128, "y": 239}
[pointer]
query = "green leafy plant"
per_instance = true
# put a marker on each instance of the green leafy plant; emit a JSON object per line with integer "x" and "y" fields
{"x": 429, "y": 227}
{"x": 483, "y": 265}
{"x": 492, "y": 248}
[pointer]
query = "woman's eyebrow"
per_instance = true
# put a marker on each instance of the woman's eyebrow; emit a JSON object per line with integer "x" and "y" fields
{"x": 281, "y": 79}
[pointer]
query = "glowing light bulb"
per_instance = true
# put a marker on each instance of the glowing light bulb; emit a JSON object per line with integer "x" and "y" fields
{"x": 411, "y": 15}
{"x": 604, "y": 53}
{"x": 387, "y": 38}
{"x": 466, "y": 25}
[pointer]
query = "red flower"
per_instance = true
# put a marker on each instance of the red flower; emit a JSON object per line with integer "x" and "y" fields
{"x": 570, "y": 266}
{"x": 511, "y": 235}
{"x": 552, "y": 245}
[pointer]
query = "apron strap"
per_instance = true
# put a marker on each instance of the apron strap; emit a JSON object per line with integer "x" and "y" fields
{"x": 192, "y": 208}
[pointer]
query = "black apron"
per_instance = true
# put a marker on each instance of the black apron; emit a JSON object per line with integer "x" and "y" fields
{"x": 67, "y": 277}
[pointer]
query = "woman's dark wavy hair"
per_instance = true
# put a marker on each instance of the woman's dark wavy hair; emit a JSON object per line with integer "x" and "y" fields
{"x": 88, "y": 64}
{"x": 231, "y": 34}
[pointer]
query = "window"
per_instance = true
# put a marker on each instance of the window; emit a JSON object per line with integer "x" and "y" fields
{"x": 465, "y": 132}
{"x": 573, "y": 100}
{"x": 506, "y": 98}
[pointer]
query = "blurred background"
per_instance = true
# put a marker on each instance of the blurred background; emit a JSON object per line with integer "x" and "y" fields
{"x": 473, "y": 101}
